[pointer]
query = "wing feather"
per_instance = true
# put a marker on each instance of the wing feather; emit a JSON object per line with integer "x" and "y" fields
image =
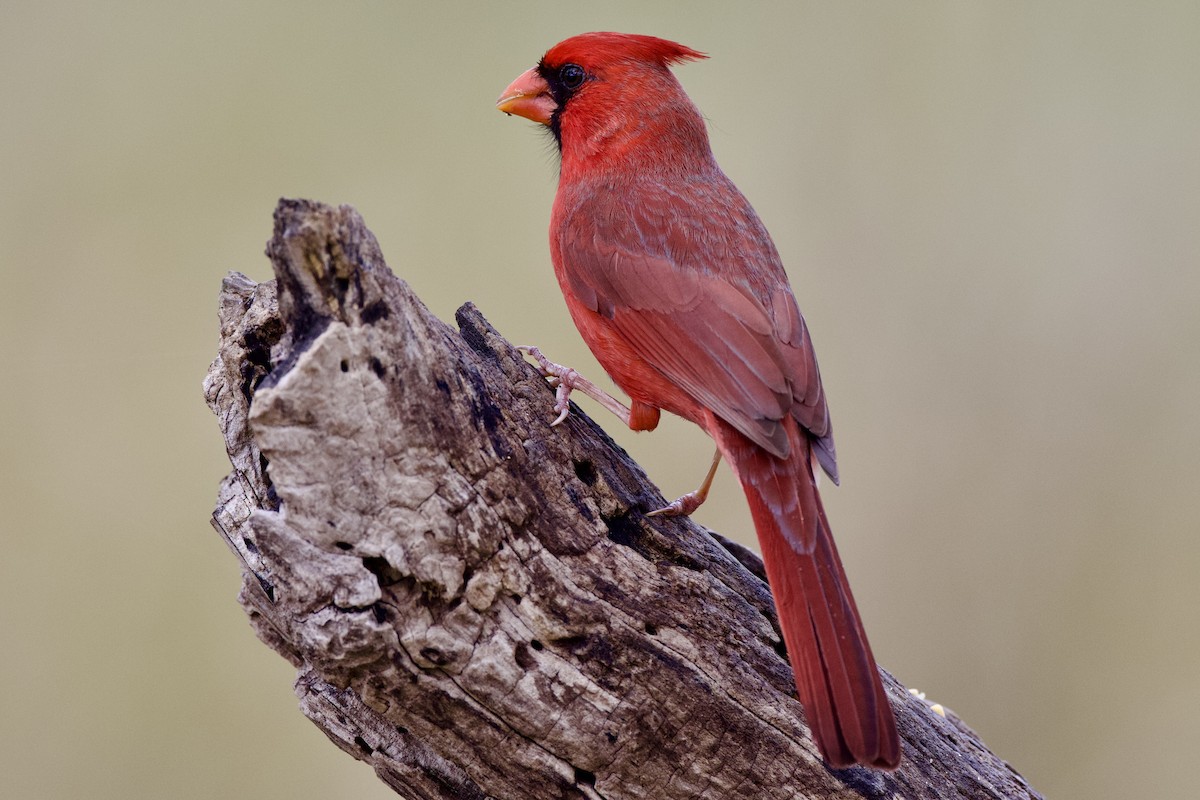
{"x": 692, "y": 281}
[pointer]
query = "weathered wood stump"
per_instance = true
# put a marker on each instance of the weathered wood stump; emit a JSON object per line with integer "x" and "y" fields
{"x": 476, "y": 602}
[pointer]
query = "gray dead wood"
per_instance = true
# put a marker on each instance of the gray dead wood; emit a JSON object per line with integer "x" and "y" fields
{"x": 476, "y": 602}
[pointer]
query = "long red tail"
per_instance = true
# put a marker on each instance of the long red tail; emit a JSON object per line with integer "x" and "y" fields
{"x": 836, "y": 677}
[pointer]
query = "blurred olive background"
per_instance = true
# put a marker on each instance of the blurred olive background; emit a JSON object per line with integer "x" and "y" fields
{"x": 990, "y": 212}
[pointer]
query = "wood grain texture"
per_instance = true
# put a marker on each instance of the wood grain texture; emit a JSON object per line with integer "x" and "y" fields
{"x": 475, "y": 602}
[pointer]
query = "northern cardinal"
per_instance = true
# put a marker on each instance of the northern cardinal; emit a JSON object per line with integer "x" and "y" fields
{"x": 678, "y": 290}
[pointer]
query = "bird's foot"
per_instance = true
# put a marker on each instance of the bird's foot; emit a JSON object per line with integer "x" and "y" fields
{"x": 681, "y": 506}
{"x": 684, "y": 506}
{"x": 566, "y": 380}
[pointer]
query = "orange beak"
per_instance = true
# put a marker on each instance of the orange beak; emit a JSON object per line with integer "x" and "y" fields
{"x": 528, "y": 96}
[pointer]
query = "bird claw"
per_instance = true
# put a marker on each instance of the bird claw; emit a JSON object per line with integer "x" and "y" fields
{"x": 680, "y": 507}
{"x": 563, "y": 409}
{"x": 563, "y": 379}
{"x": 685, "y": 505}
{"x": 566, "y": 380}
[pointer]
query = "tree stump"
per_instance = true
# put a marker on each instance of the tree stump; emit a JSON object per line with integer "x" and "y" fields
{"x": 476, "y": 603}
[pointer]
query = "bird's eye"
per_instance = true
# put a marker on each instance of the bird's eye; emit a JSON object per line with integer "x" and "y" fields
{"x": 572, "y": 76}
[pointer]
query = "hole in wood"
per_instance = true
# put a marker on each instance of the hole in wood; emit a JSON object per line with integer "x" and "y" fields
{"x": 586, "y": 472}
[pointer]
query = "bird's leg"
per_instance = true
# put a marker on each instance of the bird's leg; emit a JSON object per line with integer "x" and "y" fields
{"x": 691, "y": 501}
{"x": 566, "y": 380}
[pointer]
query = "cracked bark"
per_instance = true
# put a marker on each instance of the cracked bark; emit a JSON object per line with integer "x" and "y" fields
{"x": 475, "y": 602}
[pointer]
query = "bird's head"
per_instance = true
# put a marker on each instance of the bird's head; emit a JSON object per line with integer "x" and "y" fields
{"x": 603, "y": 91}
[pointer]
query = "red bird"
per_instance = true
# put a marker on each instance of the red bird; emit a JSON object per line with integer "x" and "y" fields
{"x": 678, "y": 290}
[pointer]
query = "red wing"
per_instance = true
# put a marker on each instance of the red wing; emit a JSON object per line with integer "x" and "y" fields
{"x": 736, "y": 344}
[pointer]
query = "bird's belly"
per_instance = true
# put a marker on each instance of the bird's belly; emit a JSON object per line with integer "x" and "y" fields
{"x": 628, "y": 369}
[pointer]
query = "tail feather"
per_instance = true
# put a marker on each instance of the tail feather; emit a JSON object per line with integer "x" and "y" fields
{"x": 836, "y": 677}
